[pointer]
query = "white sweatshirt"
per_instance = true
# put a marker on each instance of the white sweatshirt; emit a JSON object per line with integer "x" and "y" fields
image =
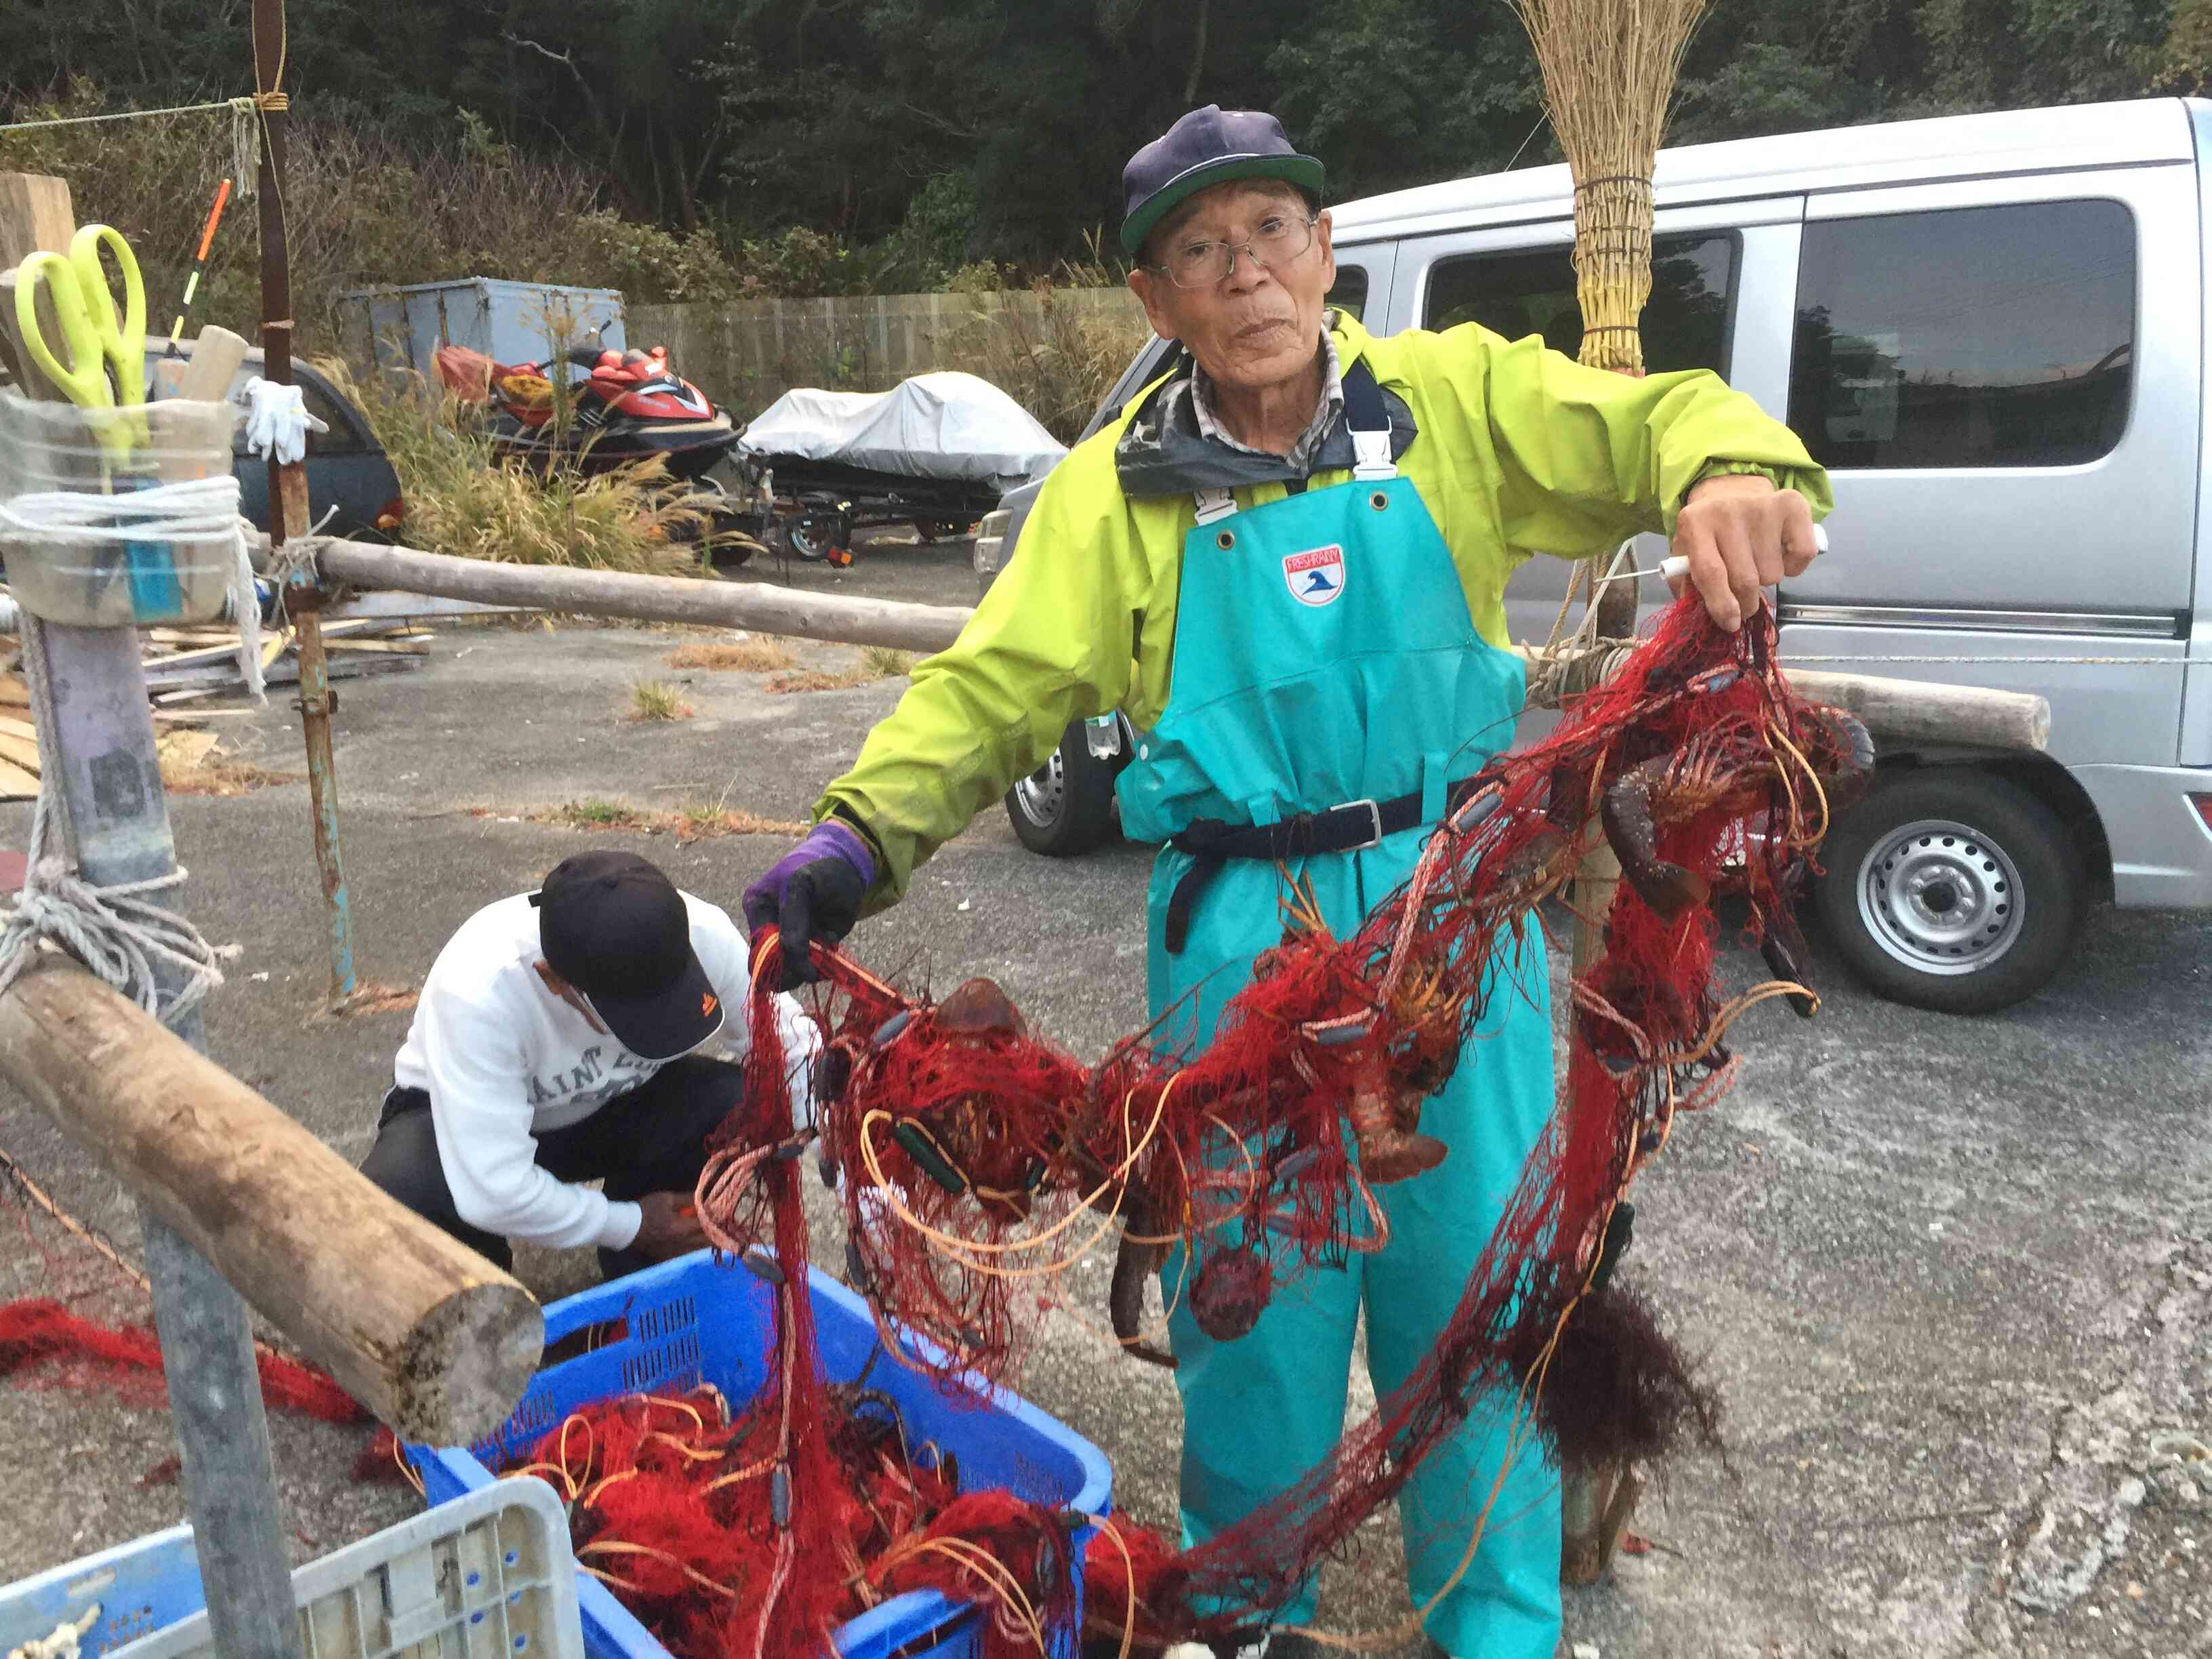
{"x": 501, "y": 1055}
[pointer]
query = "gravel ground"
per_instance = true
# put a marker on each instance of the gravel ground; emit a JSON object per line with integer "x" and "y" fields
{"x": 1951, "y": 1276}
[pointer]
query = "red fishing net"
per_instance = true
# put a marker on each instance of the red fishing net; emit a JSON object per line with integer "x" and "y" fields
{"x": 685, "y": 1511}
{"x": 977, "y": 1162}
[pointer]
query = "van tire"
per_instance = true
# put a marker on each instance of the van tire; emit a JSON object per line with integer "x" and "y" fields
{"x": 1952, "y": 889}
{"x": 1066, "y": 807}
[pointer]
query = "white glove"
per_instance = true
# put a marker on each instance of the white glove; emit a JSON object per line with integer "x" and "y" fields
{"x": 277, "y": 419}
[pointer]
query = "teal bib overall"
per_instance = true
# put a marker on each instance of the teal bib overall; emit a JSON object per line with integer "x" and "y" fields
{"x": 1324, "y": 655}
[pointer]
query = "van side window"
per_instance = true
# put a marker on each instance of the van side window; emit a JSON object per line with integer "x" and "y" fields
{"x": 1348, "y": 293}
{"x": 1971, "y": 336}
{"x": 1685, "y": 325}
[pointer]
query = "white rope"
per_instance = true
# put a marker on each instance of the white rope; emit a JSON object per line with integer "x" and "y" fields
{"x": 120, "y": 935}
{"x": 235, "y": 105}
{"x": 62, "y": 1643}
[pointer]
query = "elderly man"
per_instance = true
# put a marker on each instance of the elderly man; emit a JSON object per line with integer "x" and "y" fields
{"x": 1286, "y": 561}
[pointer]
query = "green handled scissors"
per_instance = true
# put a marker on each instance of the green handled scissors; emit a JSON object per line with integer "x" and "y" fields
{"x": 99, "y": 345}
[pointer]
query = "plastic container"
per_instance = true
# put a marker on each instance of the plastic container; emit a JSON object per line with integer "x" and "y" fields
{"x": 110, "y": 518}
{"x": 508, "y": 322}
{"x": 489, "y": 1576}
{"x": 140, "y": 1586}
{"x": 689, "y": 1321}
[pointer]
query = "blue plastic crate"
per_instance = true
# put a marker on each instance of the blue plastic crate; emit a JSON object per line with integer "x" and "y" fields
{"x": 691, "y": 1321}
{"x": 141, "y": 1587}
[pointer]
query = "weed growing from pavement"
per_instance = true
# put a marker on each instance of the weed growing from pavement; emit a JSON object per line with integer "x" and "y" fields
{"x": 697, "y": 820}
{"x": 656, "y": 700}
{"x": 591, "y": 814}
{"x": 193, "y": 763}
{"x": 762, "y": 656}
{"x": 878, "y": 662}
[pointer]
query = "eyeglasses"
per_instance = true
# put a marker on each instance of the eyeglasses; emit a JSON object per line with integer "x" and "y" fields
{"x": 1279, "y": 239}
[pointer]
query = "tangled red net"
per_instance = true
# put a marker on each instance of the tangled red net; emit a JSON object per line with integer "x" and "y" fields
{"x": 977, "y": 1163}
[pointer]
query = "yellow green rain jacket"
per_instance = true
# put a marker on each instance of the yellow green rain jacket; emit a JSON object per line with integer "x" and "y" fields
{"x": 1519, "y": 450}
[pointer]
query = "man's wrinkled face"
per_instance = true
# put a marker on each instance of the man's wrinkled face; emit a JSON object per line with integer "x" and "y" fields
{"x": 1260, "y": 325}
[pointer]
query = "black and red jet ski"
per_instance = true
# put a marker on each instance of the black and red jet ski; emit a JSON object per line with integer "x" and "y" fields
{"x": 625, "y": 406}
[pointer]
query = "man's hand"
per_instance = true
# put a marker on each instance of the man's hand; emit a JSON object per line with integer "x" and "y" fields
{"x": 1740, "y": 534}
{"x": 812, "y": 892}
{"x": 669, "y": 1226}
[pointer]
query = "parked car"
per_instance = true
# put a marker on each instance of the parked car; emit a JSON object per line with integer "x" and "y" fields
{"x": 349, "y": 474}
{"x": 1992, "y": 331}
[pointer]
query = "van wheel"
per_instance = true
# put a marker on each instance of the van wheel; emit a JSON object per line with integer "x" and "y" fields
{"x": 1952, "y": 889}
{"x": 1065, "y": 806}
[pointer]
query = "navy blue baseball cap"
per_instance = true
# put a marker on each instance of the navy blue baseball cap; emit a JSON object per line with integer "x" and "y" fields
{"x": 614, "y": 926}
{"x": 1205, "y": 148}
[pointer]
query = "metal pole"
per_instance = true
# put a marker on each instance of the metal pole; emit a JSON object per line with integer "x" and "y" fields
{"x": 288, "y": 490}
{"x": 101, "y": 747}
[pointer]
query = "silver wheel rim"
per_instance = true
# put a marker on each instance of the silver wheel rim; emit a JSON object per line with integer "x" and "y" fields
{"x": 1043, "y": 792}
{"x": 1940, "y": 897}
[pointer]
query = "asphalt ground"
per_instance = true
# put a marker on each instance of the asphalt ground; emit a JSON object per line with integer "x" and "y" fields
{"x": 1950, "y": 1275}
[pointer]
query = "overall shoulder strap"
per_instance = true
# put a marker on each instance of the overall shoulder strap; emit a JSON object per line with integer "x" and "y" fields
{"x": 1370, "y": 425}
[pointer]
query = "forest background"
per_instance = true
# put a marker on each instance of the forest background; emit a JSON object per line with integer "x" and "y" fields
{"x": 719, "y": 149}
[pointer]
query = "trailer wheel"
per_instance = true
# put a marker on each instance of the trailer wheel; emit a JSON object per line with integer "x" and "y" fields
{"x": 1952, "y": 889}
{"x": 1066, "y": 807}
{"x": 816, "y": 537}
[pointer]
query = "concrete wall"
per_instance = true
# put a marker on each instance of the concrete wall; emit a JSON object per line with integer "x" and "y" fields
{"x": 747, "y": 354}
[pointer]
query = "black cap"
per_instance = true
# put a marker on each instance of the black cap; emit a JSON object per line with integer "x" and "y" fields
{"x": 614, "y": 926}
{"x": 1207, "y": 147}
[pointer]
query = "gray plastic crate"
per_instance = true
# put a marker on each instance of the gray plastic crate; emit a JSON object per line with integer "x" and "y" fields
{"x": 508, "y": 322}
{"x": 489, "y": 1576}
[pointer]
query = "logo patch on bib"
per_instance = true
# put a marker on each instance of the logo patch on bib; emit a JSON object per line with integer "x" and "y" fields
{"x": 1315, "y": 576}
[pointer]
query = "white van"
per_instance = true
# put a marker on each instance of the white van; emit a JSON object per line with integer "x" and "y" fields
{"x": 1991, "y": 329}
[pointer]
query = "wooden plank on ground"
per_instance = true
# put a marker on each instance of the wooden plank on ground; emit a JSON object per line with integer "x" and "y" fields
{"x": 16, "y": 784}
{"x": 398, "y": 647}
{"x": 20, "y": 752}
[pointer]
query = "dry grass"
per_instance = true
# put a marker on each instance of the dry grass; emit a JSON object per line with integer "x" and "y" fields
{"x": 878, "y": 662}
{"x": 813, "y": 680}
{"x": 656, "y": 700}
{"x": 195, "y": 764}
{"x": 1054, "y": 357}
{"x": 465, "y": 501}
{"x": 699, "y": 821}
{"x": 367, "y": 999}
{"x": 763, "y": 656}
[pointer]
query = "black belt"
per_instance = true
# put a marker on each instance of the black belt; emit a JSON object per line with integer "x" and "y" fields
{"x": 1351, "y": 828}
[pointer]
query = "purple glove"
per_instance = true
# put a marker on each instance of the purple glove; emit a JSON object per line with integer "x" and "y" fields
{"x": 813, "y": 891}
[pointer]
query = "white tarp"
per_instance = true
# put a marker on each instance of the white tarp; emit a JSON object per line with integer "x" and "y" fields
{"x": 945, "y": 425}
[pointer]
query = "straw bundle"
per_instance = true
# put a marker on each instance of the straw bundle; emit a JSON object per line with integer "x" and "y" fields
{"x": 1609, "y": 69}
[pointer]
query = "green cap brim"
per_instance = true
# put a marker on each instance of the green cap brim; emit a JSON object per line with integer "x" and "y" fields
{"x": 1303, "y": 171}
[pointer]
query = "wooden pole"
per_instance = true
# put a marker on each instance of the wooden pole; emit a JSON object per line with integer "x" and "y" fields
{"x": 98, "y": 742}
{"x": 646, "y": 598}
{"x": 288, "y": 488}
{"x": 421, "y": 1329}
{"x": 1916, "y": 711}
{"x": 1901, "y": 711}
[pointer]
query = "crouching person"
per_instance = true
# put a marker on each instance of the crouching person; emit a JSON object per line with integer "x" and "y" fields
{"x": 557, "y": 1043}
